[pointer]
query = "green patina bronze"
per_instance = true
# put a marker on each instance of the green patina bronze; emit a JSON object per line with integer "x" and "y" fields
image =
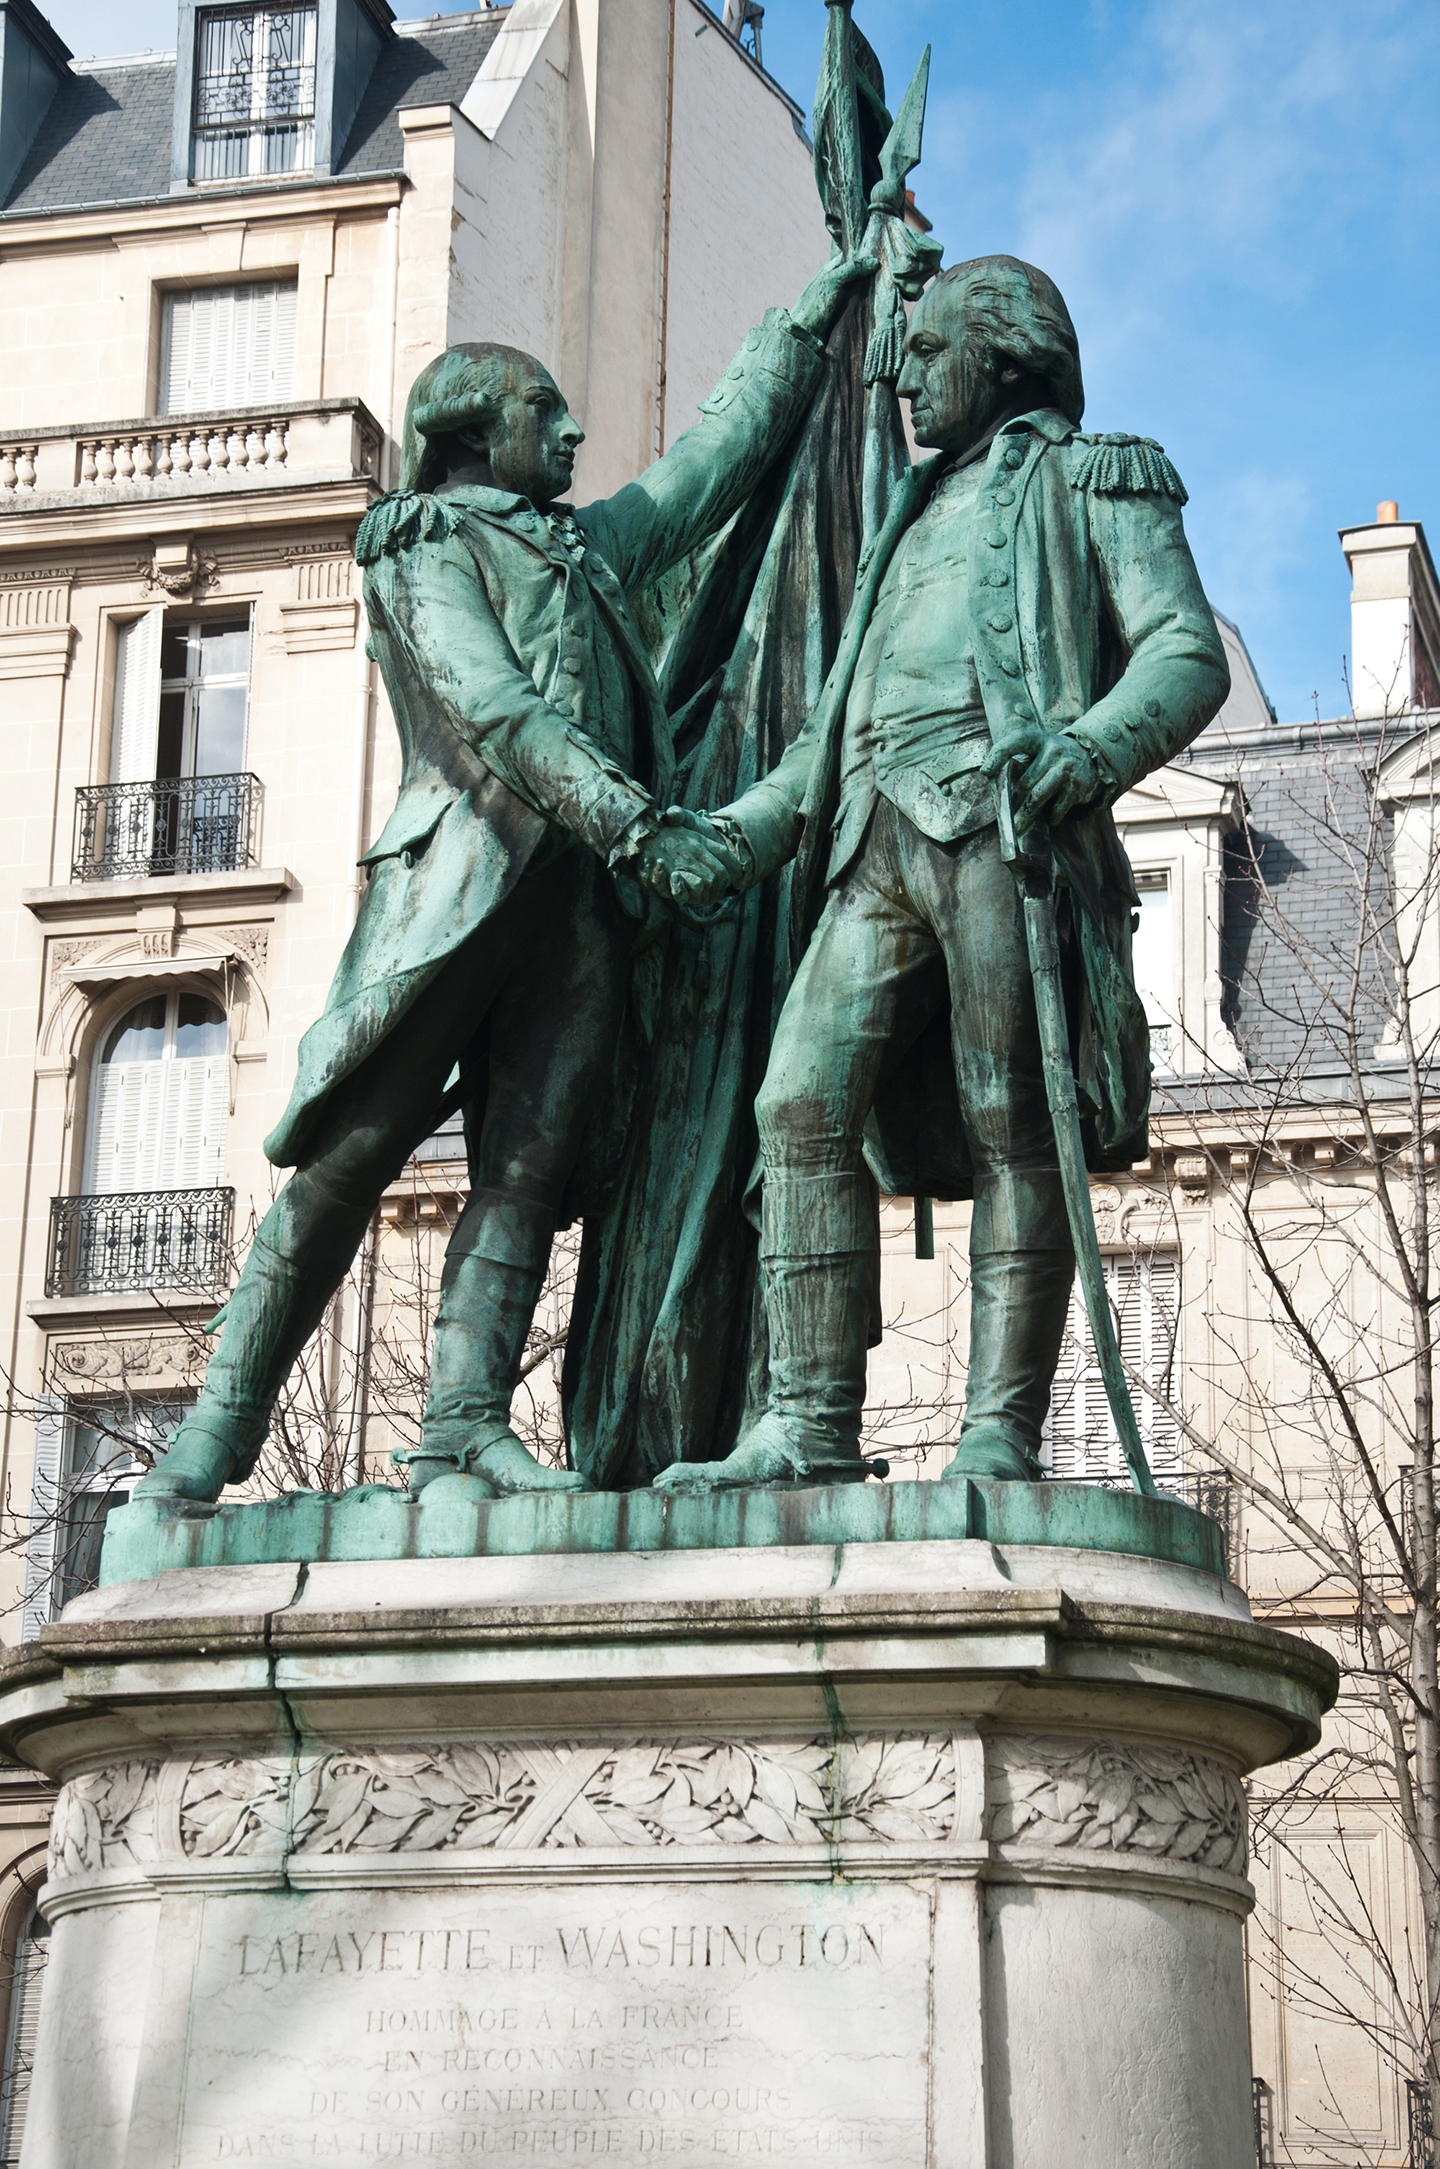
{"x": 695, "y": 876}
{"x": 451, "y": 1520}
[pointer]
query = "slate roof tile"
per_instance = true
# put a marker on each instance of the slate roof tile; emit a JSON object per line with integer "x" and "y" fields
{"x": 106, "y": 136}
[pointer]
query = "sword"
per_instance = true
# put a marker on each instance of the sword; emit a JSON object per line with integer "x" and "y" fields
{"x": 1031, "y": 859}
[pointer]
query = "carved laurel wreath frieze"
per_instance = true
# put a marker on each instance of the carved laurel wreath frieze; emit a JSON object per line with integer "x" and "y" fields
{"x": 704, "y": 1792}
{"x": 465, "y": 1798}
{"x": 1101, "y": 1796}
{"x": 1098, "y": 1796}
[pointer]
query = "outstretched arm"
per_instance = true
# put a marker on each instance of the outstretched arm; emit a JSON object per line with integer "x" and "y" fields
{"x": 694, "y": 488}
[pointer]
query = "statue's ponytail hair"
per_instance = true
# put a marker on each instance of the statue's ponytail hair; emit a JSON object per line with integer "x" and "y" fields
{"x": 460, "y": 389}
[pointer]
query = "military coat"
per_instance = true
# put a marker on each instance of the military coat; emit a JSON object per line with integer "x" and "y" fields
{"x": 1085, "y": 616}
{"x": 487, "y": 619}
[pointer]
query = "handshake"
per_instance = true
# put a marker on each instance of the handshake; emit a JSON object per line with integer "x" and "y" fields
{"x": 696, "y": 862}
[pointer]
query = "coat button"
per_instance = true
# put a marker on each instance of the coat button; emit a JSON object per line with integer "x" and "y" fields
{"x": 1014, "y": 457}
{"x": 1011, "y": 670}
{"x": 997, "y": 542}
{"x": 1004, "y": 497}
{"x": 997, "y": 579}
{"x": 407, "y": 859}
{"x": 1152, "y": 707}
{"x": 1001, "y": 624}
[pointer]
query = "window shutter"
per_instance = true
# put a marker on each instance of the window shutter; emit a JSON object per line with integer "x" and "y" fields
{"x": 38, "y": 1601}
{"x": 130, "y": 1141}
{"x": 135, "y": 724}
{"x": 1079, "y": 1430}
{"x": 229, "y": 346}
{"x": 197, "y": 1099}
{"x": 26, "y": 1982}
{"x": 282, "y": 339}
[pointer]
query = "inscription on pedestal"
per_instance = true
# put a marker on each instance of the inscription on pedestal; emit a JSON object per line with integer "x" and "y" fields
{"x": 628, "y": 2024}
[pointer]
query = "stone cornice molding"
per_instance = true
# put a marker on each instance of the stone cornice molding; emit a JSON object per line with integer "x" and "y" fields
{"x": 157, "y": 218}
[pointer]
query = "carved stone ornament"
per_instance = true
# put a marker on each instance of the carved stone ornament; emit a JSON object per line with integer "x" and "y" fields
{"x": 704, "y": 1792}
{"x": 206, "y": 1807}
{"x": 1154, "y": 1803}
{"x": 471, "y": 1797}
{"x": 106, "y": 1362}
{"x": 187, "y": 576}
{"x": 250, "y": 942}
{"x": 65, "y": 953}
{"x": 1115, "y": 1210}
{"x": 1100, "y": 1796}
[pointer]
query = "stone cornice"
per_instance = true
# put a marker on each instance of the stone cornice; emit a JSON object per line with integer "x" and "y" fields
{"x": 153, "y": 218}
{"x": 72, "y": 523}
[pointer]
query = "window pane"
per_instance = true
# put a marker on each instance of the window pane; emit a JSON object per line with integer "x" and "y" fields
{"x": 224, "y": 71}
{"x": 140, "y": 1034}
{"x": 174, "y": 648}
{"x": 288, "y": 89}
{"x": 81, "y": 1535}
{"x": 254, "y": 91}
{"x": 96, "y": 1456}
{"x": 1154, "y": 956}
{"x": 170, "y": 746}
{"x": 200, "y": 1029}
{"x": 220, "y": 730}
{"x": 224, "y": 650}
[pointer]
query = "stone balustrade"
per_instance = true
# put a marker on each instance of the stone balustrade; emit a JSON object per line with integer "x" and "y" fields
{"x": 248, "y": 447}
{"x": 338, "y": 438}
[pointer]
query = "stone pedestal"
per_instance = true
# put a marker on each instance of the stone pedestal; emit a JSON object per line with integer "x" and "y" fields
{"x": 929, "y": 1854}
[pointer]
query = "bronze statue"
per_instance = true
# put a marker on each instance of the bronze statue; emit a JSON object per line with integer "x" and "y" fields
{"x": 508, "y": 888}
{"x": 1029, "y": 618}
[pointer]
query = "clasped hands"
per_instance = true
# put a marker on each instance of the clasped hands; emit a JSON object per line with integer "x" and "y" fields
{"x": 689, "y": 863}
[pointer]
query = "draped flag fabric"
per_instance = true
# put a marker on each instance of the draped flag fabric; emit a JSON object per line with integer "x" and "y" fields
{"x": 666, "y": 1340}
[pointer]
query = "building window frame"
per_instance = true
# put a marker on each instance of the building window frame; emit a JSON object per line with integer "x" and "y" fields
{"x": 254, "y": 95}
{"x": 86, "y": 1464}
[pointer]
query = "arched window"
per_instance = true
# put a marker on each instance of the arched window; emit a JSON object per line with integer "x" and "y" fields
{"x": 159, "y": 1096}
{"x": 26, "y": 1978}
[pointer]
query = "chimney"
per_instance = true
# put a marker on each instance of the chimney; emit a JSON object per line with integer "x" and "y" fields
{"x": 33, "y": 62}
{"x": 1394, "y": 616}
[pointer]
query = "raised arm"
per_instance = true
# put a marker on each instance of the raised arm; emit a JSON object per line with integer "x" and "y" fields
{"x": 695, "y": 487}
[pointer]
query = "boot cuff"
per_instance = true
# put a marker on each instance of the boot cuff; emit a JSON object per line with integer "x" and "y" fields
{"x": 507, "y": 1230}
{"x": 1020, "y": 1212}
{"x": 817, "y": 1216}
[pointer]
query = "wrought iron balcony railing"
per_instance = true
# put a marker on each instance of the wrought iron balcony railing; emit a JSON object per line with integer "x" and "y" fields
{"x": 144, "y": 1239}
{"x": 177, "y": 825}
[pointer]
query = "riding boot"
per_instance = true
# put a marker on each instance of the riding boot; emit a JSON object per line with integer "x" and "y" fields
{"x": 274, "y": 1309}
{"x": 494, "y": 1271}
{"x": 818, "y": 1252}
{"x": 1021, "y": 1270}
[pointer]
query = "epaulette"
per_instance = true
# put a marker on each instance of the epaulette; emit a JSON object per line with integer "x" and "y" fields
{"x": 1114, "y": 465}
{"x": 405, "y": 517}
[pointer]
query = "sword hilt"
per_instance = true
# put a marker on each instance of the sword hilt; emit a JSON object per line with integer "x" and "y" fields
{"x": 1028, "y": 856}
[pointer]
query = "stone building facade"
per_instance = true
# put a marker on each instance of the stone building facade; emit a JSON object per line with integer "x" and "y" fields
{"x": 220, "y": 270}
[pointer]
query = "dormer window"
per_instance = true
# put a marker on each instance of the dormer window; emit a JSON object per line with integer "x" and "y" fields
{"x": 254, "y": 92}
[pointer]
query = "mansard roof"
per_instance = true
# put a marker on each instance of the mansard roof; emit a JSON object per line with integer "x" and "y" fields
{"x": 106, "y": 137}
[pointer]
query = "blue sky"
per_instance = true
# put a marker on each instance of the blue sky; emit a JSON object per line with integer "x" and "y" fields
{"x": 1240, "y": 201}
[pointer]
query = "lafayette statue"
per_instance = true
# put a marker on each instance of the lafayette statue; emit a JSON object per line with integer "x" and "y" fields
{"x": 1030, "y": 622}
{"x": 507, "y": 890}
